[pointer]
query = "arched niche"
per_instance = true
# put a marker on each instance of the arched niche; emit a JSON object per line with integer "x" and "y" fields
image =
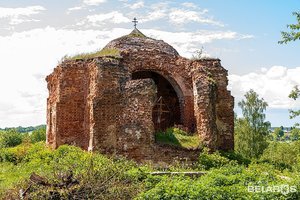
{"x": 167, "y": 110}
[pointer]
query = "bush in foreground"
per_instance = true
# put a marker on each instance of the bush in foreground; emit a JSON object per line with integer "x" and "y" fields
{"x": 283, "y": 155}
{"x": 10, "y": 138}
{"x": 71, "y": 173}
{"x": 96, "y": 175}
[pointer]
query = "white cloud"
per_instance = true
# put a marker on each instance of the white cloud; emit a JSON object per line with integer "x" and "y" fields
{"x": 179, "y": 16}
{"x": 75, "y": 8}
{"x": 274, "y": 85}
{"x": 93, "y": 2}
{"x": 155, "y": 15}
{"x": 15, "y": 21}
{"x": 27, "y": 11}
{"x": 20, "y": 15}
{"x": 160, "y": 5}
{"x": 276, "y": 72}
{"x": 137, "y": 5}
{"x": 157, "y": 11}
{"x": 189, "y": 5}
{"x": 113, "y": 17}
{"x": 27, "y": 57}
{"x": 188, "y": 42}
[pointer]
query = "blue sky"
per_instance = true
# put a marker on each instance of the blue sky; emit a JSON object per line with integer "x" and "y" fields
{"x": 35, "y": 35}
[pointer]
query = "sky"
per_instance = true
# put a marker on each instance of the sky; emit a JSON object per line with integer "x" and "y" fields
{"x": 244, "y": 34}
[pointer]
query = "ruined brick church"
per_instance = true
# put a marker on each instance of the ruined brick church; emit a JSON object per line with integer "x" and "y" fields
{"x": 114, "y": 103}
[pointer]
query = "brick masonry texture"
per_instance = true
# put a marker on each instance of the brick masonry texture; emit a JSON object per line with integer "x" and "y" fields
{"x": 111, "y": 104}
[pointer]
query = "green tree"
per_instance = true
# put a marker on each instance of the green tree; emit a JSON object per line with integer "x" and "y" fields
{"x": 38, "y": 135}
{"x": 295, "y": 134}
{"x": 251, "y": 131}
{"x": 278, "y": 133}
{"x": 295, "y": 93}
{"x": 10, "y": 138}
{"x": 294, "y": 33}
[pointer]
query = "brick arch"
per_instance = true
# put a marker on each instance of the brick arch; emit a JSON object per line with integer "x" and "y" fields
{"x": 169, "y": 78}
{"x": 182, "y": 86}
{"x": 183, "y": 92}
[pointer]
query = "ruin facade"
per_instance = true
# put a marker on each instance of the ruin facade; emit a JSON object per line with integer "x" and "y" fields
{"x": 115, "y": 103}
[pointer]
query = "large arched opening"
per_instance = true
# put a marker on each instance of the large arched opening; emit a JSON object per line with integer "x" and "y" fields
{"x": 168, "y": 107}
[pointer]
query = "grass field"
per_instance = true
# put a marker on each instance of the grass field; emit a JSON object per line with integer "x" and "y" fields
{"x": 179, "y": 138}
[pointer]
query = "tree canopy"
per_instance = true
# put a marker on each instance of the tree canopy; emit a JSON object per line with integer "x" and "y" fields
{"x": 294, "y": 33}
{"x": 278, "y": 133}
{"x": 295, "y": 93}
{"x": 251, "y": 131}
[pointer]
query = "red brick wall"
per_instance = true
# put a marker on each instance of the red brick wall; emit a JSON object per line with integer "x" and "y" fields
{"x": 94, "y": 103}
{"x": 136, "y": 136}
{"x": 215, "y": 116}
{"x": 66, "y": 105}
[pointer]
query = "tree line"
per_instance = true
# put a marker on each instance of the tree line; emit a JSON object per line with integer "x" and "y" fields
{"x": 251, "y": 130}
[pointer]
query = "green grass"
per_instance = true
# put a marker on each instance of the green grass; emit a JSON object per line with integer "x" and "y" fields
{"x": 104, "y": 52}
{"x": 179, "y": 138}
{"x": 101, "y": 177}
{"x": 136, "y": 33}
{"x": 91, "y": 171}
{"x": 10, "y": 175}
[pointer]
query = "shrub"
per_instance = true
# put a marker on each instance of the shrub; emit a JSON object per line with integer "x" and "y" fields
{"x": 282, "y": 155}
{"x": 229, "y": 182}
{"x": 38, "y": 135}
{"x": 14, "y": 155}
{"x": 98, "y": 177}
{"x": 214, "y": 160}
{"x": 295, "y": 134}
{"x": 231, "y": 155}
{"x": 10, "y": 138}
{"x": 39, "y": 152}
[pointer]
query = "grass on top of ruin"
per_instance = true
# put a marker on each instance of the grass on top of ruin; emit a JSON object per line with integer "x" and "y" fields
{"x": 179, "y": 138}
{"x": 103, "y": 52}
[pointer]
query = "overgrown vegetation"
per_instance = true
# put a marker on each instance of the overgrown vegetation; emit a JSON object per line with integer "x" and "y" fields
{"x": 71, "y": 173}
{"x": 104, "y": 52}
{"x": 94, "y": 176}
{"x": 179, "y": 138}
{"x": 283, "y": 156}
